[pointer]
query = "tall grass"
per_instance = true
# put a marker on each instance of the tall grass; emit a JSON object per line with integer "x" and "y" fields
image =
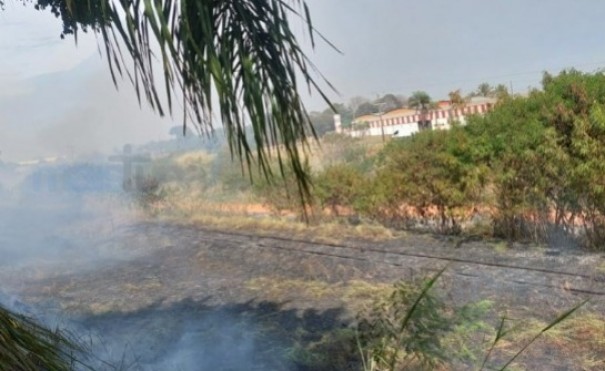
{"x": 407, "y": 330}
{"x": 27, "y": 345}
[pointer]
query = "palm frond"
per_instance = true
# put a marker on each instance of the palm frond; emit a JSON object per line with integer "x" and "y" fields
{"x": 241, "y": 54}
{"x": 27, "y": 345}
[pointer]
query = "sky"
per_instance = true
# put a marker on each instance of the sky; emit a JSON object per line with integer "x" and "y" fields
{"x": 58, "y": 98}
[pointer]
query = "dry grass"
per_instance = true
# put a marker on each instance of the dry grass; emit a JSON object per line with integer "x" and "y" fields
{"x": 354, "y": 294}
{"x": 247, "y": 215}
{"x": 194, "y": 158}
{"x": 580, "y": 338}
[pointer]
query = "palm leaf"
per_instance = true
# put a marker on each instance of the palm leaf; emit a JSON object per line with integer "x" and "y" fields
{"x": 27, "y": 345}
{"x": 239, "y": 53}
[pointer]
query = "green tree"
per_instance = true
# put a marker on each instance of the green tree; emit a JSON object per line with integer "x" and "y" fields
{"x": 501, "y": 92}
{"x": 484, "y": 90}
{"x": 355, "y": 102}
{"x": 390, "y": 102}
{"x": 323, "y": 122}
{"x": 339, "y": 186}
{"x": 366, "y": 108}
{"x": 422, "y": 102}
{"x": 433, "y": 170}
{"x": 576, "y": 102}
{"x": 520, "y": 152}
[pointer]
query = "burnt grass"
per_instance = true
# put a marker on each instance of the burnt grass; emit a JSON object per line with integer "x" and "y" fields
{"x": 189, "y": 298}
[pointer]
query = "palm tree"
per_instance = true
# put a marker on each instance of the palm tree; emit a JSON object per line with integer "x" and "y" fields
{"x": 239, "y": 53}
{"x": 422, "y": 102}
{"x": 484, "y": 90}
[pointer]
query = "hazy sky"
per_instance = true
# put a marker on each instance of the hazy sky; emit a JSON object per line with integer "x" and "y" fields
{"x": 440, "y": 45}
{"x": 388, "y": 46}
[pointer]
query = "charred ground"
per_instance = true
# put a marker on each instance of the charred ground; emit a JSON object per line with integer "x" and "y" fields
{"x": 189, "y": 297}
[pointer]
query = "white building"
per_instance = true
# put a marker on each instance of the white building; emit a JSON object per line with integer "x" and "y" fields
{"x": 405, "y": 122}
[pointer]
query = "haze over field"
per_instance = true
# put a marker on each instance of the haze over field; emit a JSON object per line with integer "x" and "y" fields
{"x": 58, "y": 99}
{"x": 170, "y": 258}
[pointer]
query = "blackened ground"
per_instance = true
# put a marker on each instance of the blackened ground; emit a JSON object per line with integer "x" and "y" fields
{"x": 188, "y": 298}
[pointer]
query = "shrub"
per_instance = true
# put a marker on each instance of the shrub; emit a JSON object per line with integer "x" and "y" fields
{"x": 281, "y": 193}
{"x": 407, "y": 329}
{"x": 339, "y": 186}
{"x": 429, "y": 174}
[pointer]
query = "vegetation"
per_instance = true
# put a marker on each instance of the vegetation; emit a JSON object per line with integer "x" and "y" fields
{"x": 408, "y": 327}
{"x": 533, "y": 167}
{"x": 240, "y": 53}
{"x": 534, "y": 164}
{"x": 26, "y": 345}
{"x": 530, "y": 170}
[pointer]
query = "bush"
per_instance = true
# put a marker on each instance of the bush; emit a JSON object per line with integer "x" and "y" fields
{"x": 408, "y": 328}
{"x": 281, "y": 192}
{"x": 427, "y": 177}
{"x": 339, "y": 186}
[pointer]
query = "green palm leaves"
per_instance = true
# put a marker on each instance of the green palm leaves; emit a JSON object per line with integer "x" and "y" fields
{"x": 237, "y": 61}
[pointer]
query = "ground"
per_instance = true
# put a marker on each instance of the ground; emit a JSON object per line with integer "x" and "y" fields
{"x": 159, "y": 295}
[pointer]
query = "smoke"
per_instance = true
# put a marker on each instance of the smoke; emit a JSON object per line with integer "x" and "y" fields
{"x": 63, "y": 220}
{"x": 183, "y": 339}
{"x": 71, "y": 232}
{"x": 73, "y": 113}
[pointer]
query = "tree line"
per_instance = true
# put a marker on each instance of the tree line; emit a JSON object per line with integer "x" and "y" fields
{"x": 323, "y": 121}
{"x": 532, "y": 169}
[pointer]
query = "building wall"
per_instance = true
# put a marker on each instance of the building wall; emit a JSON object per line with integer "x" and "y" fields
{"x": 406, "y": 124}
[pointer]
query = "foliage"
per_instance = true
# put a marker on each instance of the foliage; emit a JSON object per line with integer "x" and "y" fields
{"x": 456, "y": 98}
{"x": 532, "y": 169}
{"x": 277, "y": 193}
{"x": 26, "y": 345}
{"x": 343, "y": 149}
{"x": 432, "y": 172}
{"x": 484, "y": 90}
{"x": 502, "y": 331}
{"x": 405, "y": 329}
{"x": 545, "y": 158}
{"x": 515, "y": 146}
{"x": 390, "y": 102}
{"x": 412, "y": 328}
{"x": 361, "y": 126}
{"x": 338, "y": 186}
{"x": 366, "y": 108}
{"x": 420, "y": 100}
{"x": 149, "y": 192}
{"x": 501, "y": 92}
{"x": 535, "y": 163}
{"x": 323, "y": 122}
{"x": 240, "y": 53}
